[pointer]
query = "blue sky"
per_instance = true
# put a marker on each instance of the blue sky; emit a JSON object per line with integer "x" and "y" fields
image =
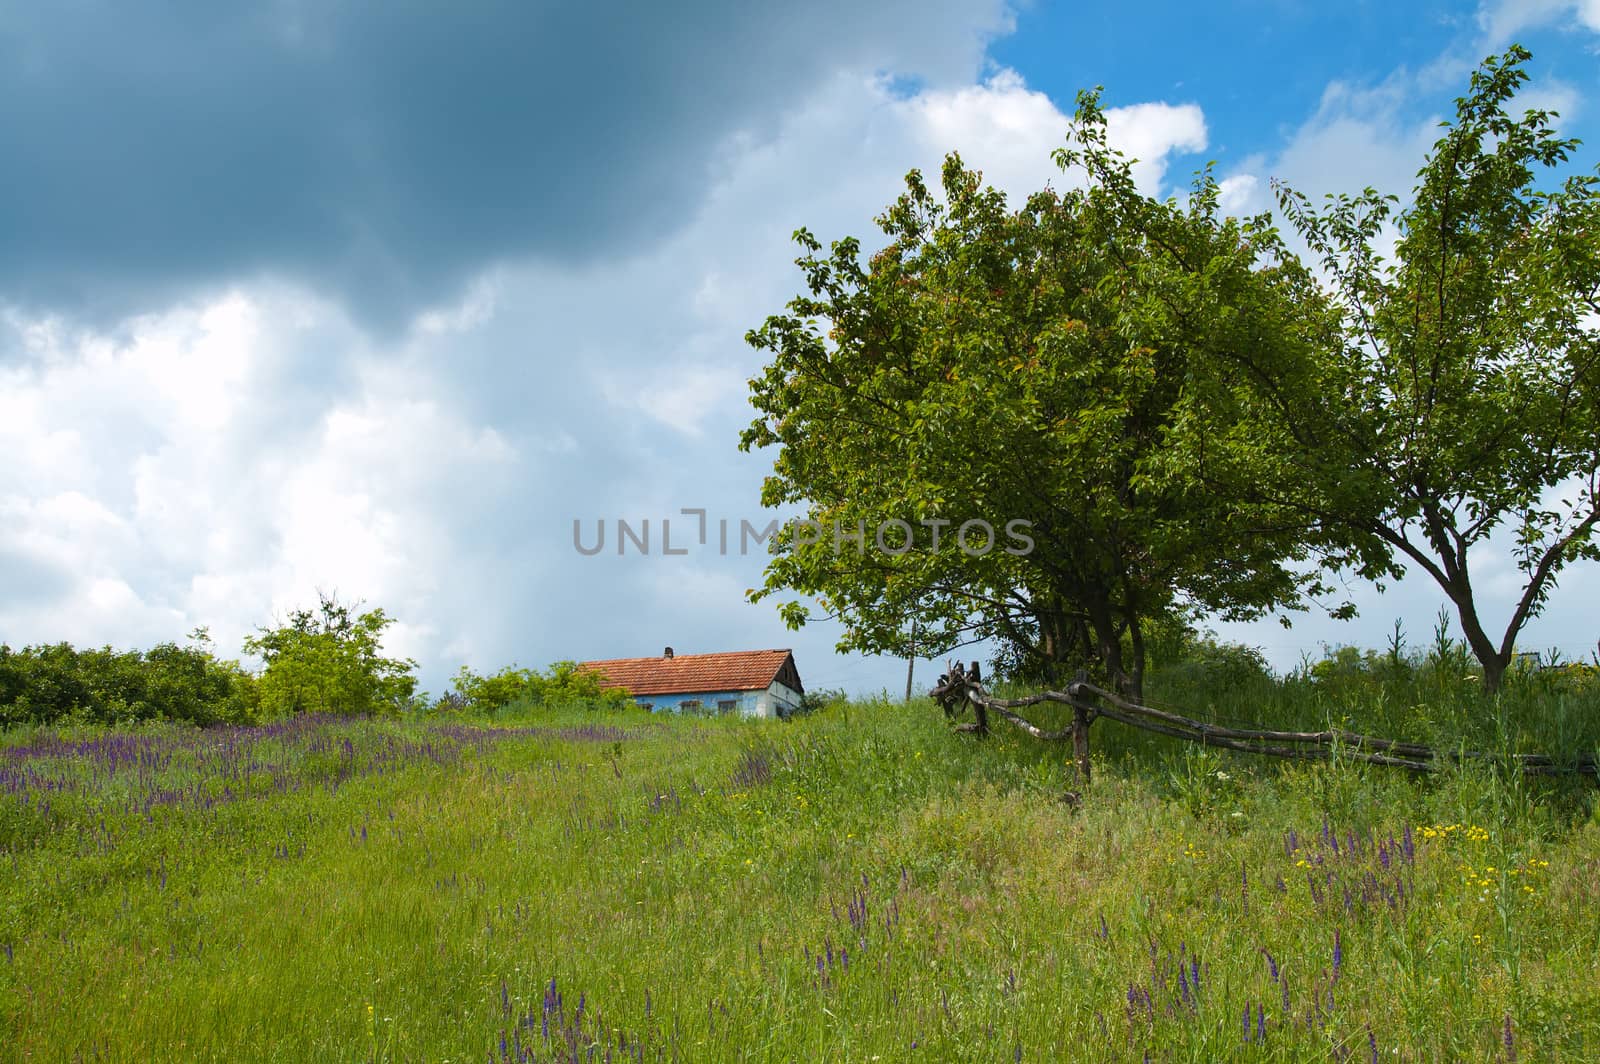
{"x": 378, "y": 299}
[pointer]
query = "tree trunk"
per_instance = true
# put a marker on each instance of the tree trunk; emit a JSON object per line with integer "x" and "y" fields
{"x": 1136, "y": 675}
{"x": 1108, "y": 644}
{"x": 1051, "y": 650}
{"x": 1489, "y": 656}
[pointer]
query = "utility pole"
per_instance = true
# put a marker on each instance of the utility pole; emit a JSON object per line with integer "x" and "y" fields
{"x": 911, "y": 659}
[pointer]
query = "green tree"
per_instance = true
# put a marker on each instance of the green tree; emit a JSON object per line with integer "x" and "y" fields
{"x": 329, "y": 661}
{"x": 1462, "y": 397}
{"x": 1003, "y": 366}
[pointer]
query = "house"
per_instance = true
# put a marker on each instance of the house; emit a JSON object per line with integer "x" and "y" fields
{"x": 750, "y": 683}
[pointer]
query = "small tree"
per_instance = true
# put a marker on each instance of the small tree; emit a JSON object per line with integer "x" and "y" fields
{"x": 329, "y": 661}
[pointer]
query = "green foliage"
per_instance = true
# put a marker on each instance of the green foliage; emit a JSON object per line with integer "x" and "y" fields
{"x": 329, "y": 661}
{"x": 59, "y": 683}
{"x": 490, "y": 693}
{"x": 1027, "y": 366}
{"x": 563, "y": 684}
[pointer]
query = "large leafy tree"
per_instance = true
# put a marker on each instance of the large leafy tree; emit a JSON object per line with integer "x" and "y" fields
{"x": 999, "y": 366}
{"x": 1462, "y": 399}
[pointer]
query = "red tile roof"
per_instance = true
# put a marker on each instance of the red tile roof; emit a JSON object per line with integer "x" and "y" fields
{"x": 685, "y": 674}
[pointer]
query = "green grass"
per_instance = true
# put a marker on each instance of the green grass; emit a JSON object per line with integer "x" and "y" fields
{"x": 360, "y": 890}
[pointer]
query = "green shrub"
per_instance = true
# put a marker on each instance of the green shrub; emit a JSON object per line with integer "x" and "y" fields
{"x": 563, "y": 684}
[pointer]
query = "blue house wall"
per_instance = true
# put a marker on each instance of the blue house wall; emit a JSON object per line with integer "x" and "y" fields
{"x": 775, "y": 700}
{"x": 744, "y": 702}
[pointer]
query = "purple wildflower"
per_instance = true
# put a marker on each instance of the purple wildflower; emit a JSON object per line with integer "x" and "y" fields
{"x": 1261, "y": 1022}
{"x": 1372, "y": 1043}
{"x": 1272, "y": 965}
{"x": 1510, "y": 1043}
{"x": 1338, "y": 953}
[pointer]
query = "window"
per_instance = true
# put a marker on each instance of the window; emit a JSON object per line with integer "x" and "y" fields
{"x": 648, "y": 707}
{"x": 727, "y": 705}
{"x": 690, "y": 705}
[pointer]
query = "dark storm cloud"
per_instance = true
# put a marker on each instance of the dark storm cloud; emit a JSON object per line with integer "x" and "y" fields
{"x": 382, "y": 151}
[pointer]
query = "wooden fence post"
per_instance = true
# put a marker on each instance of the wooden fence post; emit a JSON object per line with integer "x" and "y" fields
{"x": 1080, "y": 742}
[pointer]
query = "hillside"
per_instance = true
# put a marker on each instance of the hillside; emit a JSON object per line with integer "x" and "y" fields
{"x": 859, "y": 884}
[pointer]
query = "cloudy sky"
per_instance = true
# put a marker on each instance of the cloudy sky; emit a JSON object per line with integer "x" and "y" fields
{"x": 377, "y": 299}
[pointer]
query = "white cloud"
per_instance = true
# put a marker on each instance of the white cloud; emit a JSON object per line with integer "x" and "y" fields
{"x": 1502, "y": 20}
{"x": 1236, "y": 194}
{"x": 1150, "y": 132}
{"x": 1008, "y": 131}
{"x": 189, "y": 487}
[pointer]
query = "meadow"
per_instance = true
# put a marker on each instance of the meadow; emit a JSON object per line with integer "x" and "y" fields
{"x": 857, "y": 884}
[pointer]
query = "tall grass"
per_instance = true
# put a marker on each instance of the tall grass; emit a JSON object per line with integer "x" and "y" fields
{"x": 856, "y": 884}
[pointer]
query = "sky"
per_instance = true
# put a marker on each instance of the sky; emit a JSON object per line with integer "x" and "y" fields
{"x": 377, "y": 300}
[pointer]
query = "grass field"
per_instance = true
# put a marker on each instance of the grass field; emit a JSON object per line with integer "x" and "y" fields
{"x": 855, "y": 885}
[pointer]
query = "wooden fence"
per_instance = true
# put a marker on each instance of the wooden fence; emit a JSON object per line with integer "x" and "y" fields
{"x": 959, "y": 688}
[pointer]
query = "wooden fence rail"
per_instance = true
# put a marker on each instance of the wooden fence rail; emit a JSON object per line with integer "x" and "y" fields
{"x": 958, "y": 688}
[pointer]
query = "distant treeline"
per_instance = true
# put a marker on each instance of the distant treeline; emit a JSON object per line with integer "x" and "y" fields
{"x": 325, "y": 660}
{"x": 60, "y": 683}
